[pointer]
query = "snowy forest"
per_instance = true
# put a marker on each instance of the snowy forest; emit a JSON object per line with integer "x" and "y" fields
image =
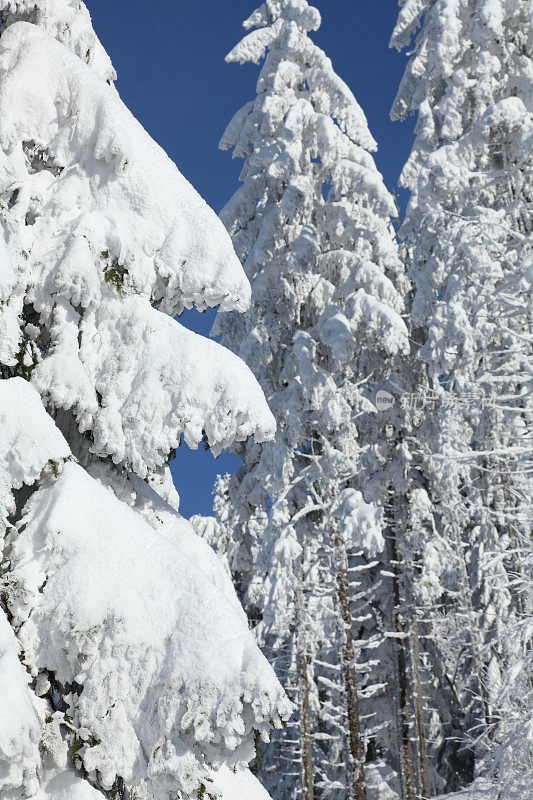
{"x": 354, "y": 621}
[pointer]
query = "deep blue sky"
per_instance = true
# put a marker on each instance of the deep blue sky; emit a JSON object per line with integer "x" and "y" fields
{"x": 169, "y": 55}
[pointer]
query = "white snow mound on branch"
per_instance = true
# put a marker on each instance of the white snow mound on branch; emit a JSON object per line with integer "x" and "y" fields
{"x": 240, "y": 785}
{"x": 105, "y": 181}
{"x": 65, "y": 20}
{"x": 307, "y": 17}
{"x": 170, "y": 679}
{"x": 189, "y": 536}
{"x": 21, "y": 717}
{"x": 29, "y": 439}
{"x": 360, "y": 523}
{"x": 156, "y": 380}
{"x": 65, "y": 785}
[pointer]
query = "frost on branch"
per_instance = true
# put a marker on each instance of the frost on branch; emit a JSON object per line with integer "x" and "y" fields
{"x": 117, "y": 612}
{"x": 468, "y": 234}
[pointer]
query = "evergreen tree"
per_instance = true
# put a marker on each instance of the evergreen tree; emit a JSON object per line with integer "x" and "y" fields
{"x": 302, "y": 520}
{"x": 126, "y": 665}
{"x": 468, "y": 229}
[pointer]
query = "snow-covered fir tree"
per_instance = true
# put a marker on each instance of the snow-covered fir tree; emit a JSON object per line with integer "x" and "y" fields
{"x": 302, "y": 522}
{"x": 468, "y": 230}
{"x": 126, "y": 665}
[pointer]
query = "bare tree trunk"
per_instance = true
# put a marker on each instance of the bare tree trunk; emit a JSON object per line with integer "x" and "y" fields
{"x": 308, "y": 789}
{"x": 473, "y": 632}
{"x": 406, "y": 753}
{"x": 419, "y": 710}
{"x": 357, "y": 778}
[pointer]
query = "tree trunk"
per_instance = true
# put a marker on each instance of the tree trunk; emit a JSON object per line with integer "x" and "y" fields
{"x": 475, "y": 644}
{"x": 406, "y": 753}
{"x": 308, "y": 790}
{"x": 419, "y": 707}
{"x": 357, "y": 778}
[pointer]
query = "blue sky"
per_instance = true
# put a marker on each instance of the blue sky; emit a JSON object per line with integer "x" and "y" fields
{"x": 169, "y": 55}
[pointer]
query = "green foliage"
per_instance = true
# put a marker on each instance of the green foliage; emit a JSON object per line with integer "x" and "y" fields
{"x": 258, "y": 752}
{"x": 203, "y": 794}
{"x": 25, "y": 354}
{"x": 114, "y": 273}
{"x": 114, "y": 276}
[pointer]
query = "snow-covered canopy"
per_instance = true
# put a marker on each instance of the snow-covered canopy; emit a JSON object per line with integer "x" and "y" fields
{"x": 69, "y": 22}
{"x": 125, "y": 657}
{"x": 29, "y": 440}
{"x": 134, "y": 236}
{"x": 312, "y": 225}
{"x": 154, "y": 645}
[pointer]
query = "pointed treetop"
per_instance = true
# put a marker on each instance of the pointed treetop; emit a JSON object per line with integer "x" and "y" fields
{"x": 269, "y": 21}
{"x": 299, "y": 11}
{"x": 295, "y": 68}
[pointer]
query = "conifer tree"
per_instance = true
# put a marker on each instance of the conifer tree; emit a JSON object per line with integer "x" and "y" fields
{"x": 468, "y": 229}
{"x": 302, "y": 520}
{"x": 126, "y": 665}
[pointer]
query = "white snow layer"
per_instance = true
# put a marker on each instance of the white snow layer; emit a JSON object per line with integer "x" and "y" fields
{"x": 65, "y": 20}
{"x": 159, "y": 655}
{"x": 21, "y": 716}
{"x": 479, "y": 790}
{"x": 65, "y": 785}
{"x": 156, "y": 380}
{"x": 240, "y": 785}
{"x": 188, "y": 536}
{"x": 134, "y": 234}
{"x": 360, "y": 523}
{"x": 28, "y": 439}
{"x": 106, "y": 182}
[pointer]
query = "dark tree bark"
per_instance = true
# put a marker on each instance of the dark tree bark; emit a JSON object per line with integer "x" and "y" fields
{"x": 419, "y": 707}
{"x": 357, "y": 779}
{"x": 401, "y": 661}
{"x": 308, "y": 789}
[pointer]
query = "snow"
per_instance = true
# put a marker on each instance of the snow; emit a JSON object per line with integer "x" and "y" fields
{"x": 134, "y": 234}
{"x": 381, "y": 324}
{"x": 110, "y": 184}
{"x": 126, "y": 652}
{"x": 360, "y": 523}
{"x": 28, "y": 439}
{"x": 467, "y": 236}
{"x": 240, "y": 785}
{"x": 66, "y": 20}
{"x": 21, "y": 717}
{"x": 269, "y": 20}
{"x": 312, "y": 226}
{"x": 156, "y": 381}
{"x": 64, "y": 785}
{"x": 105, "y": 601}
{"x": 113, "y": 608}
{"x": 189, "y": 536}
{"x": 408, "y": 20}
{"x": 477, "y": 791}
